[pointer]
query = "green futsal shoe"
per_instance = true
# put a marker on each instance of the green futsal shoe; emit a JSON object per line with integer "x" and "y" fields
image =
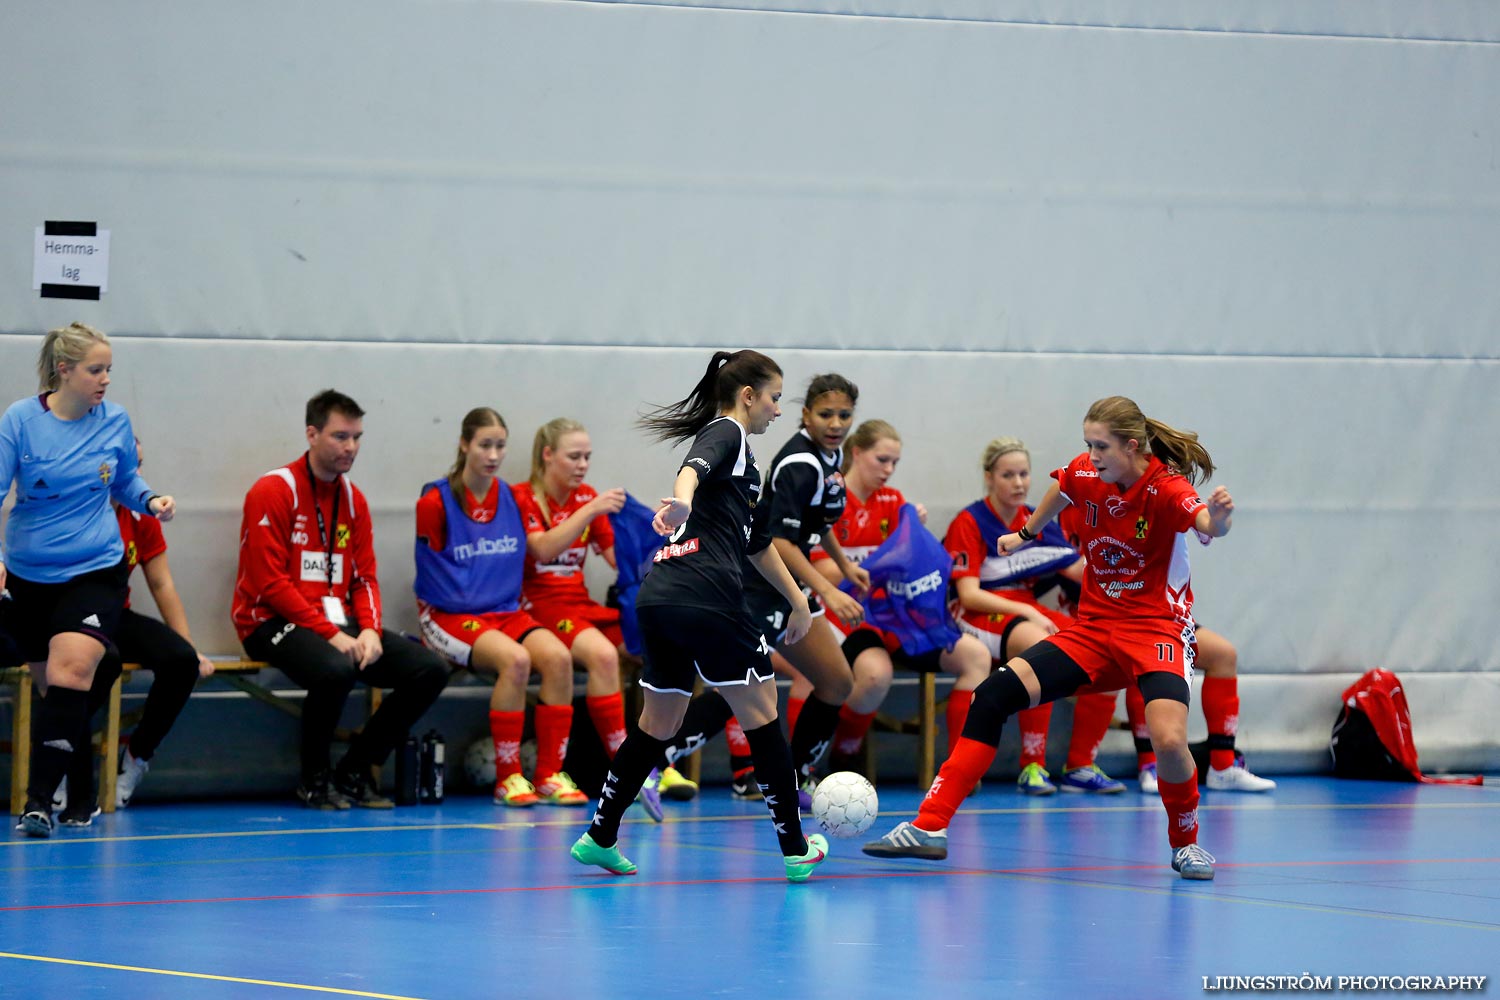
{"x": 585, "y": 851}
{"x": 800, "y": 866}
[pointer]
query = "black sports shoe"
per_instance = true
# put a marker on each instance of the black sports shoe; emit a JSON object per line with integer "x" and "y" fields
{"x": 744, "y": 788}
{"x": 78, "y": 818}
{"x": 36, "y": 820}
{"x": 360, "y": 789}
{"x": 318, "y": 792}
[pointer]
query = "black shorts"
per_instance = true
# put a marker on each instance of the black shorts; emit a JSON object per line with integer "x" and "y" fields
{"x": 770, "y": 611}
{"x": 685, "y": 643}
{"x": 861, "y": 639}
{"x": 89, "y": 604}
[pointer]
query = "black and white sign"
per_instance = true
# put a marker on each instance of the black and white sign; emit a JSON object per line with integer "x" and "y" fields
{"x": 71, "y": 260}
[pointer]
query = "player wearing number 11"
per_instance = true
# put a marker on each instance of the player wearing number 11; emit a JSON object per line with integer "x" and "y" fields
{"x": 1135, "y": 493}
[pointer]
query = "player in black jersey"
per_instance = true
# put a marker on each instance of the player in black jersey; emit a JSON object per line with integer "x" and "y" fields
{"x": 692, "y": 612}
{"x": 804, "y": 498}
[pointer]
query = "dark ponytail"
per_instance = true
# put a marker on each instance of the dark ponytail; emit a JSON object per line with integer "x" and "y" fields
{"x": 727, "y": 373}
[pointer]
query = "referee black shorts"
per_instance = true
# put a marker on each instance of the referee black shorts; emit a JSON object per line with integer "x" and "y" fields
{"x": 89, "y": 603}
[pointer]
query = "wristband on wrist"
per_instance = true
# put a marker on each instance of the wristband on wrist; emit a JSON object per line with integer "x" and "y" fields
{"x": 1026, "y": 534}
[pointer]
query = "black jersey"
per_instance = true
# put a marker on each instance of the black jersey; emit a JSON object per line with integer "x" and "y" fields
{"x": 804, "y": 497}
{"x": 701, "y": 565}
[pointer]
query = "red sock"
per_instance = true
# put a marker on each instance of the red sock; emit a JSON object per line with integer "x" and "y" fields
{"x": 1221, "y": 707}
{"x": 1181, "y": 801}
{"x": 741, "y": 760}
{"x": 1034, "y": 723}
{"x": 964, "y": 766}
{"x": 1135, "y": 711}
{"x": 553, "y": 723}
{"x": 1092, "y": 714}
{"x": 738, "y": 745}
{"x": 505, "y": 730}
{"x": 958, "y": 714}
{"x": 793, "y": 709}
{"x": 607, "y": 712}
{"x": 850, "y": 732}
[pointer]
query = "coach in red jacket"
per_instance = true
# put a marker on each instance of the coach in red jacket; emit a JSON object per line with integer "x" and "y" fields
{"x": 307, "y": 601}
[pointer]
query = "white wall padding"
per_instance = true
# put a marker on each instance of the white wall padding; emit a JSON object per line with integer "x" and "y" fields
{"x": 1459, "y": 20}
{"x": 1360, "y": 537}
{"x": 1274, "y": 223}
{"x": 519, "y": 171}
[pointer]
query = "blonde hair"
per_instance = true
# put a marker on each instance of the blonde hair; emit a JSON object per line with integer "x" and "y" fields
{"x": 549, "y": 435}
{"x": 474, "y": 421}
{"x": 1178, "y": 450}
{"x": 999, "y": 447}
{"x": 865, "y": 437}
{"x": 65, "y": 345}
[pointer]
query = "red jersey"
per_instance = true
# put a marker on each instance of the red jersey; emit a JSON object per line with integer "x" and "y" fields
{"x": 560, "y": 580}
{"x": 142, "y": 537}
{"x": 967, "y": 543}
{"x": 861, "y": 529}
{"x": 432, "y": 520}
{"x": 1135, "y": 541}
{"x": 863, "y": 526}
{"x": 284, "y": 567}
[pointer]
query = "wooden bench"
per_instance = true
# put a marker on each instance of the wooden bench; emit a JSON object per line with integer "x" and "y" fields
{"x": 923, "y": 725}
{"x": 234, "y": 672}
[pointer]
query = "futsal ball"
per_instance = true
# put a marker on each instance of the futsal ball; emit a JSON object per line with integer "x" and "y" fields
{"x": 844, "y": 804}
{"x": 479, "y": 763}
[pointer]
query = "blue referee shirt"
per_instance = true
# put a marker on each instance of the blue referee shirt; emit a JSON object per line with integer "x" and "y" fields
{"x": 65, "y": 473}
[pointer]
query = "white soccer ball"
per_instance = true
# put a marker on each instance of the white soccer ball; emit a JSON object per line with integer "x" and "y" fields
{"x": 845, "y": 804}
{"x": 479, "y": 764}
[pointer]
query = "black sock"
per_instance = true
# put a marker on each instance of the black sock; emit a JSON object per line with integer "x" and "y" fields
{"x": 706, "y": 717}
{"x": 814, "y": 733}
{"x": 778, "y": 782}
{"x": 81, "y": 778}
{"x": 60, "y": 717}
{"x": 627, "y": 773}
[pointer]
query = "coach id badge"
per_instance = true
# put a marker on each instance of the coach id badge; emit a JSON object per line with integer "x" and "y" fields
{"x": 333, "y": 608}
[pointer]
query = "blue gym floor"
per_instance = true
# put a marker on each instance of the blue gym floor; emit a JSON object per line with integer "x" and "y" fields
{"x": 1063, "y": 897}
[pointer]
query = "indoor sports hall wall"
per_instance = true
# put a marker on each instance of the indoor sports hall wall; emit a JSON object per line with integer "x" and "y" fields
{"x": 1283, "y": 237}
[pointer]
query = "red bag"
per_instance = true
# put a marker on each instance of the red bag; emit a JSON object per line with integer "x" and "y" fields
{"x": 1372, "y": 737}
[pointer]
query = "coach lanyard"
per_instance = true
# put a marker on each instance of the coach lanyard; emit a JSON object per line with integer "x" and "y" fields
{"x": 325, "y": 537}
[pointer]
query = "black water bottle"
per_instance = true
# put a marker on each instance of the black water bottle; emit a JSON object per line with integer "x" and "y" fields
{"x": 408, "y": 771}
{"x": 433, "y": 754}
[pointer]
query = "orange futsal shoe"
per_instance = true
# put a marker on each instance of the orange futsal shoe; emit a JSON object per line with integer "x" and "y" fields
{"x": 560, "y": 790}
{"x": 515, "y": 791}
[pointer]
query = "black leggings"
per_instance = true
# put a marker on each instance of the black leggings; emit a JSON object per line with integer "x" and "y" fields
{"x": 174, "y": 665}
{"x": 416, "y": 676}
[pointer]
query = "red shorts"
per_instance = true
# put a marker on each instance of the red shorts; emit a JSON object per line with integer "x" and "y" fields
{"x": 454, "y": 635}
{"x": 1114, "y": 653}
{"x": 567, "y": 621}
{"x": 994, "y": 630}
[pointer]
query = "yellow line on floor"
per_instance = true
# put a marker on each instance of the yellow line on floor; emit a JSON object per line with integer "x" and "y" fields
{"x": 202, "y": 975}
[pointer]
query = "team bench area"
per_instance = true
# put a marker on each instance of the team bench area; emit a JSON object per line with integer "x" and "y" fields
{"x": 236, "y": 673}
{"x": 241, "y": 675}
